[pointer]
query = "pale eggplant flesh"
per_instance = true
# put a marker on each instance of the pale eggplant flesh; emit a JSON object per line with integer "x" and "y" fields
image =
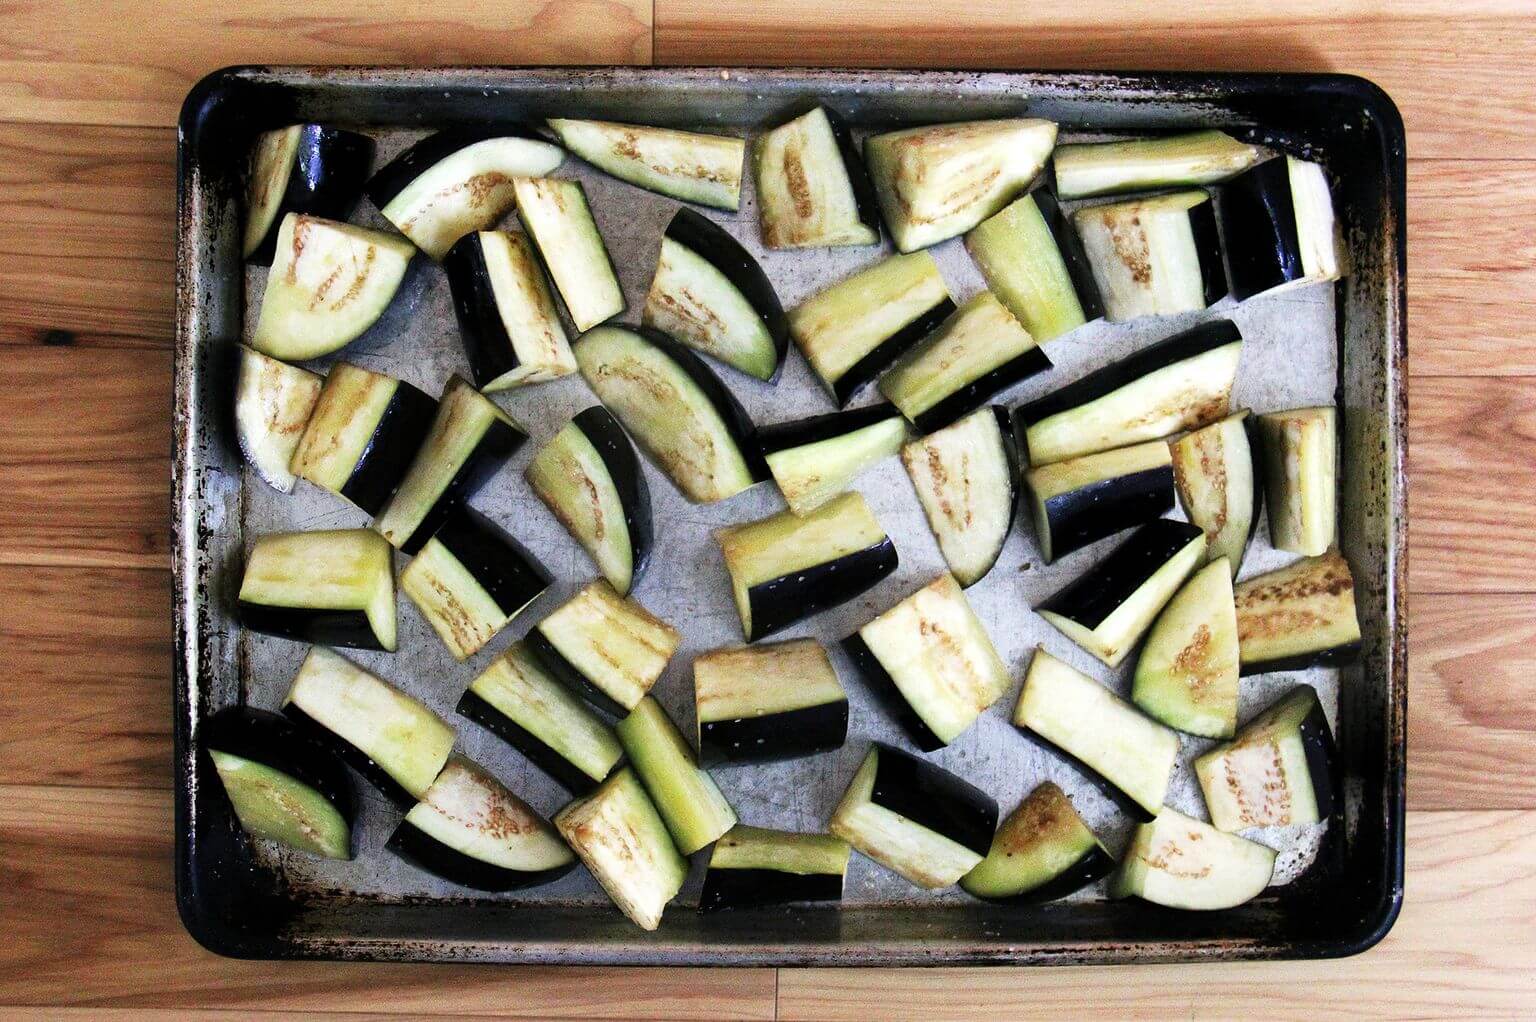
{"x": 812, "y": 187}
{"x": 312, "y": 169}
{"x": 771, "y": 702}
{"x": 751, "y": 867}
{"x": 1043, "y": 851}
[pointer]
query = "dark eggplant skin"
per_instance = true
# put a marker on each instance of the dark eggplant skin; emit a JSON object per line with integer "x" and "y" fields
{"x": 884, "y": 689}
{"x": 426, "y": 852}
{"x": 1337, "y": 656}
{"x": 1095, "y": 865}
{"x": 1096, "y": 595}
{"x": 784, "y": 436}
{"x": 865, "y": 370}
{"x": 781, "y": 602}
{"x": 326, "y": 181}
{"x": 614, "y": 446}
{"x": 933, "y": 798}
{"x": 1090, "y": 513}
{"x": 352, "y": 756}
{"x": 710, "y": 242}
{"x": 390, "y": 180}
{"x": 343, "y": 629}
{"x": 1124, "y": 802}
{"x": 275, "y": 741}
{"x": 569, "y": 777}
{"x": 496, "y": 445}
{"x": 981, "y": 390}
{"x": 735, "y": 417}
{"x": 1322, "y": 753}
{"x": 486, "y": 344}
{"x": 508, "y": 573}
{"x": 774, "y": 736}
{"x": 1069, "y": 245}
{"x": 864, "y": 198}
{"x": 754, "y": 888}
{"x": 1258, "y": 219}
{"x": 565, "y": 672}
{"x": 1213, "y": 275}
{"x": 398, "y": 436}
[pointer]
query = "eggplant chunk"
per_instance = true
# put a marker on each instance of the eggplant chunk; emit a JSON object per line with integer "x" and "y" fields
{"x": 335, "y": 587}
{"x": 684, "y": 165}
{"x": 812, "y": 187}
{"x": 750, "y": 867}
{"x": 273, "y": 403}
{"x": 311, "y": 169}
{"x": 507, "y": 320}
{"x": 1277, "y": 772}
{"x": 608, "y": 649}
{"x": 815, "y": 459}
{"x": 682, "y": 791}
{"x": 1278, "y": 223}
{"x": 1034, "y": 262}
{"x": 1187, "y": 673}
{"x": 771, "y": 702}
{"x": 1042, "y": 851}
{"x": 1298, "y": 617}
{"x": 1142, "y": 164}
{"x": 1300, "y": 478}
{"x": 1154, "y": 257}
{"x": 1084, "y": 499}
{"x": 1185, "y": 863}
{"x": 964, "y": 477}
{"x": 556, "y": 216}
{"x": 1213, "y": 470}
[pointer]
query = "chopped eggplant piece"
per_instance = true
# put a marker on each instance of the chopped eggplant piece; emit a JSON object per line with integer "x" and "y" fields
{"x": 1082, "y": 500}
{"x": 310, "y": 169}
{"x": 395, "y": 742}
{"x": 1107, "y": 610}
{"x": 964, "y": 477}
{"x": 283, "y": 784}
{"x": 335, "y": 587}
{"x": 456, "y": 182}
{"x": 1300, "y": 478}
{"x": 1298, "y": 617}
{"x": 273, "y": 403}
{"x": 1154, "y": 257}
{"x": 855, "y": 330}
{"x": 678, "y": 411}
{"x": 684, "y": 165}
{"x": 938, "y": 182}
{"x": 518, "y": 700}
{"x": 1043, "y": 851}
{"x": 590, "y": 477}
{"x": 786, "y": 567}
{"x": 1178, "y": 383}
{"x": 621, "y": 838}
{"x": 470, "y": 830}
{"x": 812, "y": 187}
{"x": 815, "y": 459}
{"x": 1213, "y": 470}
{"x": 931, "y": 663}
{"x": 363, "y": 435}
{"x": 975, "y": 354}
{"x": 556, "y": 216}
{"x": 1278, "y": 771}
{"x": 711, "y": 295}
{"x": 682, "y": 791}
{"x": 469, "y": 441}
{"x": 1144, "y": 164}
{"x": 470, "y": 580}
{"x": 1185, "y": 863}
{"x": 915, "y": 818}
{"x": 607, "y": 649}
{"x": 328, "y": 284}
{"x": 1278, "y": 224}
{"x": 1187, "y": 674}
{"x": 507, "y": 319}
{"x": 751, "y": 867}
{"x": 1034, "y": 262}
{"x": 1126, "y": 754}
{"x": 761, "y": 703}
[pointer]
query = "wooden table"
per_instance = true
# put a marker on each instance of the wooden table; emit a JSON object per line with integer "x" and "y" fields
{"x": 88, "y": 96}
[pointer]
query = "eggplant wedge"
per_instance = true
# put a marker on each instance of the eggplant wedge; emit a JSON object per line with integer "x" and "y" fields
{"x": 815, "y": 459}
{"x": 711, "y": 295}
{"x": 1298, "y": 617}
{"x": 1179, "y": 383}
{"x": 1042, "y": 851}
{"x": 812, "y": 189}
{"x": 1213, "y": 470}
{"x": 1034, "y": 262}
{"x": 1084, "y": 499}
{"x": 556, "y": 216}
{"x": 684, "y": 165}
{"x": 328, "y": 284}
{"x": 939, "y": 181}
{"x": 855, "y": 330}
{"x": 1158, "y": 256}
{"x": 760, "y": 703}
{"x": 507, "y": 320}
{"x": 930, "y": 662}
{"x": 335, "y": 587}
{"x": 283, "y": 784}
{"x": 675, "y": 408}
{"x": 365, "y": 432}
{"x": 1180, "y": 862}
{"x": 1127, "y": 755}
{"x": 1188, "y": 160}
{"x": 520, "y": 702}
{"x": 607, "y": 649}
{"x": 470, "y": 580}
{"x": 590, "y": 477}
{"x": 394, "y": 741}
{"x": 1107, "y": 610}
{"x": 469, "y": 441}
{"x": 682, "y": 791}
{"x": 1186, "y": 676}
{"x": 785, "y": 568}
{"x": 975, "y": 354}
{"x": 915, "y": 818}
{"x": 273, "y": 403}
{"x": 311, "y": 169}
{"x": 1279, "y": 226}
{"x": 751, "y": 867}
{"x": 964, "y": 477}
{"x": 1299, "y": 449}
{"x": 1277, "y": 772}
{"x": 456, "y": 182}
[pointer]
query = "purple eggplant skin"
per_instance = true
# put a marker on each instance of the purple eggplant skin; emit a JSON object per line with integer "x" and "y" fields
{"x": 426, "y": 852}
{"x": 1213, "y": 274}
{"x": 790, "y": 734}
{"x": 884, "y": 689}
{"x": 784, "y": 436}
{"x": 276, "y": 742}
{"x": 864, "y": 198}
{"x": 867, "y": 369}
{"x": 508, "y": 573}
{"x": 567, "y": 673}
{"x": 391, "y": 179}
{"x": 933, "y": 798}
{"x": 1107, "y": 506}
{"x": 486, "y": 344}
{"x": 619, "y": 457}
{"x": 1124, "y": 802}
{"x": 731, "y": 413}
{"x": 783, "y": 601}
{"x": 326, "y": 181}
{"x": 1258, "y": 219}
{"x": 573, "y": 780}
{"x": 406, "y": 421}
{"x": 1098, "y": 593}
{"x": 343, "y": 629}
{"x": 1095, "y": 865}
{"x": 352, "y": 756}
{"x": 1338, "y": 656}
{"x": 1070, "y": 246}
{"x": 755, "y": 888}
{"x": 1322, "y": 755}
{"x": 499, "y": 442}
{"x": 982, "y": 390}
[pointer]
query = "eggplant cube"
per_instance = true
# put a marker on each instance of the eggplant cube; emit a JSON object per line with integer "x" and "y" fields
{"x": 507, "y": 319}
{"x": 1278, "y": 222}
{"x": 687, "y": 165}
{"x": 812, "y": 187}
{"x": 1277, "y": 772}
{"x": 815, "y": 459}
{"x": 688, "y": 799}
{"x": 751, "y": 866}
{"x": 1034, "y": 262}
{"x": 334, "y": 587}
{"x": 1158, "y": 256}
{"x": 273, "y": 404}
{"x": 1043, "y": 851}
{"x": 1301, "y": 478}
{"x": 1185, "y": 863}
{"x": 778, "y": 701}
{"x": 313, "y": 169}
{"x": 608, "y": 649}
{"x": 965, "y": 477}
{"x": 1301, "y": 616}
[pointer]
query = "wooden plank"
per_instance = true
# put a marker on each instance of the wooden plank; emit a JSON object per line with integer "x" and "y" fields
{"x": 1465, "y": 946}
{"x": 63, "y": 61}
{"x": 91, "y": 922}
{"x": 1412, "y": 48}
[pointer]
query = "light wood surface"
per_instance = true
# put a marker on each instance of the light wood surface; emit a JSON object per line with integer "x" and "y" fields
{"x": 88, "y": 97}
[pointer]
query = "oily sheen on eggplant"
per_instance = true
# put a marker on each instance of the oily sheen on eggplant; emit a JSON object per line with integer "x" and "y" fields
{"x": 751, "y": 867}
{"x": 311, "y": 169}
{"x": 511, "y": 332}
{"x": 1157, "y": 256}
{"x": 686, "y": 165}
{"x": 964, "y": 476}
{"x": 812, "y": 189}
{"x": 1042, "y": 851}
{"x": 759, "y": 703}
{"x": 1033, "y": 260}
{"x": 1278, "y": 222}
{"x": 335, "y": 587}
{"x": 813, "y": 460}
{"x": 273, "y": 403}
{"x": 1189, "y": 159}
{"x": 1277, "y": 772}
{"x": 1084, "y": 499}
{"x": 608, "y": 649}
{"x": 1301, "y": 616}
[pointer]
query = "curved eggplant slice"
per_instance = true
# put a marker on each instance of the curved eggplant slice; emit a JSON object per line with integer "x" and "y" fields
{"x": 815, "y": 459}
{"x": 1277, "y": 772}
{"x": 964, "y": 477}
{"x": 507, "y": 319}
{"x": 1186, "y": 675}
{"x": 273, "y": 404}
{"x": 812, "y": 187}
{"x": 1083, "y": 500}
{"x": 1300, "y": 459}
{"x": 1158, "y": 256}
{"x": 711, "y": 295}
{"x": 759, "y": 703}
{"x": 1173, "y": 161}
{"x": 304, "y": 168}
{"x": 609, "y": 650}
{"x": 1181, "y": 862}
{"x": 1298, "y": 617}
{"x": 1042, "y": 851}
{"x": 1278, "y": 225}
{"x": 1034, "y": 262}
{"x": 334, "y": 587}
{"x": 751, "y": 867}
{"x": 686, "y": 165}
{"x": 688, "y": 799}
{"x": 556, "y": 216}
{"x": 1213, "y": 469}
